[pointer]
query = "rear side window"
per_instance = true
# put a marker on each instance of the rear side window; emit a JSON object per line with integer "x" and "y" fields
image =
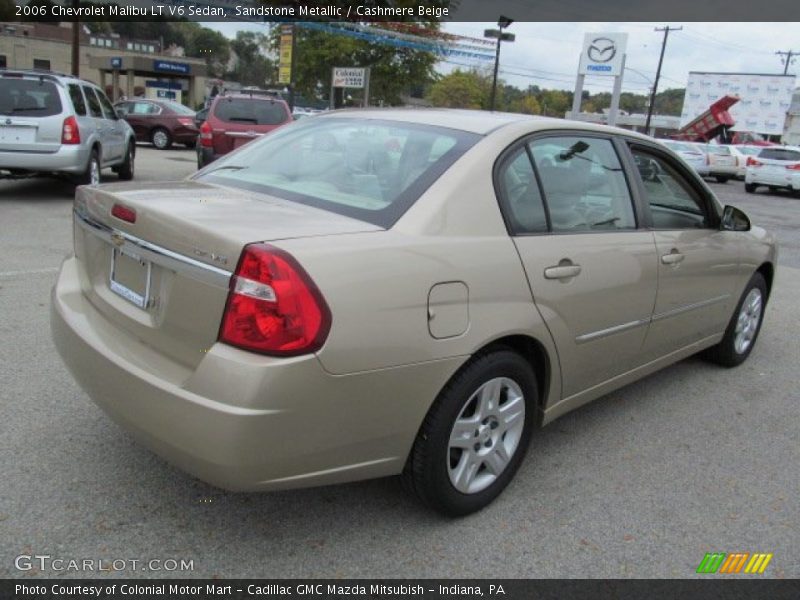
{"x": 519, "y": 194}
{"x": 254, "y": 111}
{"x": 29, "y": 97}
{"x": 584, "y": 185}
{"x": 779, "y": 154}
{"x": 94, "y": 104}
{"x": 78, "y": 103}
{"x": 145, "y": 108}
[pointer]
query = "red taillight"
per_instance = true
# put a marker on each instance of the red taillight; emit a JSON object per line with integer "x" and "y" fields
{"x": 69, "y": 131}
{"x": 186, "y": 121}
{"x": 794, "y": 167}
{"x": 123, "y": 213}
{"x": 273, "y": 306}
{"x": 752, "y": 162}
{"x": 206, "y": 137}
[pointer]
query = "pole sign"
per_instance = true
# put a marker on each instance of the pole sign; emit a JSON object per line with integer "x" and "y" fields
{"x": 602, "y": 54}
{"x": 285, "y": 54}
{"x": 346, "y": 77}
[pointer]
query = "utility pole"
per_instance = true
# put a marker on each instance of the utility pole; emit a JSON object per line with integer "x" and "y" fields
{"x": 666, "y": 31}
{"x": 501, "y": 36}
{"x": 788, "y": 60}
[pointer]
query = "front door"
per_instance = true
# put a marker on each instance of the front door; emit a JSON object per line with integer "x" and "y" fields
{"x": 697, "y": 263}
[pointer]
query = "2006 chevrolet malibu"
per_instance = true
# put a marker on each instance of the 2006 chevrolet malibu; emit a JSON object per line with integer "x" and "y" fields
{"x": 385, "y": 292}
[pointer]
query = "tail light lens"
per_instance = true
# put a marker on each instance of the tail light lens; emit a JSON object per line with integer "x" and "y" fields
{"x": 794, "y": 167}
{"x": 186, "y": 121}
{"x": 206, "y": 137}
{"x": 70, "y": 134}
{"x": 752, "y": 162}
{"x": 124, "y": 213}
{"x": 273, "y": 306}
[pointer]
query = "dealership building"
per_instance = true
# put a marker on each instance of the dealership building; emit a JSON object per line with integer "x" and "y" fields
{"x": 121, "y": 66}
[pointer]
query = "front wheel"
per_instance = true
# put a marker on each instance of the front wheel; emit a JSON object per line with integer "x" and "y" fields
{"x": 744, "y": 326}
{"x": 126, "y": 169}
{"x": 475, "y": 435}
{"x": 750, "y": 188}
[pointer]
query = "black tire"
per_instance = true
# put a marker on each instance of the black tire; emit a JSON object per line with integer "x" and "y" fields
{"x": 85, "y": 178}
{"x": 161, "y": 138}
{"x": 721, "y": 178}
{"x": 726, "y": 353}
{"x": 427, "y": 470}
{"x": 190, "y": 145}
{"x": 126, "y": 169}
{"x": 750, "y": 188}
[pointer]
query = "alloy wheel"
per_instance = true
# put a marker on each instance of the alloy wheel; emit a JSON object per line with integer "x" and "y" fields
{"x": 748, "y": 320}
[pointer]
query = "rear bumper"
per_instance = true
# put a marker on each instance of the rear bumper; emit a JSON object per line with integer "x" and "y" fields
{"x": 242, "y": 421}
{"x": 206, "y": 155}
{"x": 67, "y": 159}
{"x": 789, "y": 181}
{"x": 185, "y": 135}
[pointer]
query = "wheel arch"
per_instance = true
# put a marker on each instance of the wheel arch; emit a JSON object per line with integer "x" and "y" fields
{"x": 767, "y": 270}
{"x": 535, "y": 354}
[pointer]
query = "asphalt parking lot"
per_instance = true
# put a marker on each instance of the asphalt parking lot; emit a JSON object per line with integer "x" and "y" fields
{"x": 641, "y": 483}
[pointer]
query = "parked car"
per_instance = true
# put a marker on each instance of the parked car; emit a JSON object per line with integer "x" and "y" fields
{"x": 199, "y": 117}
{"x": 777, "y": 167}
{"x": 694, "y": 156}
{"x": 55, "y": 124}
{"x": 237, "y": 118}
{"x": 160, "y": 122}
{"x": 382, "y": 292}
{"x": 722, "y": 164}
{"x": 741, "y": 153}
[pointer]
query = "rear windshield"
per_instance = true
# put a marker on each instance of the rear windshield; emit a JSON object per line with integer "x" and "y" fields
{"x": 780, "y": 154}
{"x": 371, "y": 170}
{"x": 28, "y": 97}
{"x": 255, "y": 111}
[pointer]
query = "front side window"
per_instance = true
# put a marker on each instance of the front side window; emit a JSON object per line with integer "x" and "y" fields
{"x": 584, "y": 185}
{"x": 674, "y": 203}
{"x": 108, "y": 109}
{"x": 368, "y": 169}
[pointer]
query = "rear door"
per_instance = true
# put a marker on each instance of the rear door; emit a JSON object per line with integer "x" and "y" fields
{"x": 697, "y": 263}
{"x": 116, "y": 128}
{"x": 31, "y": 113}
{"x": 238, "y": 120}
{"x": 591, "y": 269}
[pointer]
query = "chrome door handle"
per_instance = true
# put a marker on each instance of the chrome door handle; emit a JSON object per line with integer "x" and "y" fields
{"x": 673, "y": 258}
{"x": 562, "y": 271}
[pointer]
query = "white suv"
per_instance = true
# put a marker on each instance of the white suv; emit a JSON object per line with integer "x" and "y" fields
{"x": 62, "y": 125}
{"x": 777, "y": 167}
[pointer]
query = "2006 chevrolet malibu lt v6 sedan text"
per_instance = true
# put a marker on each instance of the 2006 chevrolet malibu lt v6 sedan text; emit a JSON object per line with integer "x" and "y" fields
{"x": 408, "y": 292}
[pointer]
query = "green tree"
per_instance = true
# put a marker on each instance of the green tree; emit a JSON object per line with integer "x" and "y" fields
{"x": 461, "y": 89}
{"x": 253, "y": 67}
{"x": 528, "y": 105}
{"x": 393, "y": 71}
{"x": 210, "y": 45}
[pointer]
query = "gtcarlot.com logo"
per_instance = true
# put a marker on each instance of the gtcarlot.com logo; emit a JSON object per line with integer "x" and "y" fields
{"x": 735, "y": 562}
{"x": 46, "y": 562}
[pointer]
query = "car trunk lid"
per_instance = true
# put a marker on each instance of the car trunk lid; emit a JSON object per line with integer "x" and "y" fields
{"x": 164, "y": 278}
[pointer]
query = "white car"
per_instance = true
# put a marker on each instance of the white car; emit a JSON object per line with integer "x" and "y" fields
{"x": 722, "y": 164}
{"x": 777, "y": 167}
{"x": 693, "y": 156}
{"x": 742, "y": 152}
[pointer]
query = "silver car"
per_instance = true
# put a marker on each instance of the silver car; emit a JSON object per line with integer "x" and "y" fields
{"x": 61, "y": 125}
{"x": 694, "y": 156}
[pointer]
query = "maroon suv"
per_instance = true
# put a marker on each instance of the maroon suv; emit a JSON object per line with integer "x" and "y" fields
{"x": 161, "y": 122}
{"x": 235, "y": 119}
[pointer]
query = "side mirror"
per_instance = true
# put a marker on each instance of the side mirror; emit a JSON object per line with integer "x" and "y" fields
{"x": 734, "y": 219}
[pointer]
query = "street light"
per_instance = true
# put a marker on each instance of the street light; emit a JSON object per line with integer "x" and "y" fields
{"x": 498, "y": 34}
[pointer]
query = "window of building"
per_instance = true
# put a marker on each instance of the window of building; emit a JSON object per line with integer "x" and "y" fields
{"x": 41, "y": 63}
{"x": 2, "y": 61}
{"x": 93, "y": 41}
{"x": 130, "y": 46}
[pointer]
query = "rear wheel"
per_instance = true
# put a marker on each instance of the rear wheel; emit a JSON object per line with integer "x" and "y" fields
{"x": 744, "y": 326}
{"x": 475, "y": 435}
{"x": 126, "y": 169}
{"x": 750, "y": 188}
{"x": 722, "y": 178}
{"x": 161, "y": 138}
{"x": 91, "y": 176}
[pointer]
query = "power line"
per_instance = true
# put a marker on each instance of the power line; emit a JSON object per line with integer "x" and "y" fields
{"x": 788, "y": 60}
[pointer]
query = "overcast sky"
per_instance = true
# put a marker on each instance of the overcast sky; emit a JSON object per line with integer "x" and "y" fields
{"x": 546, "y": 54}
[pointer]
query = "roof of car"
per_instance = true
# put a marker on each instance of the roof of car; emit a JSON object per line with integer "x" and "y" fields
{"x": 475, "y": 121}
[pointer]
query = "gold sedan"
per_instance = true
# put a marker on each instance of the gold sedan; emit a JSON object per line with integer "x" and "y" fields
{"x": 383, "y": 292}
